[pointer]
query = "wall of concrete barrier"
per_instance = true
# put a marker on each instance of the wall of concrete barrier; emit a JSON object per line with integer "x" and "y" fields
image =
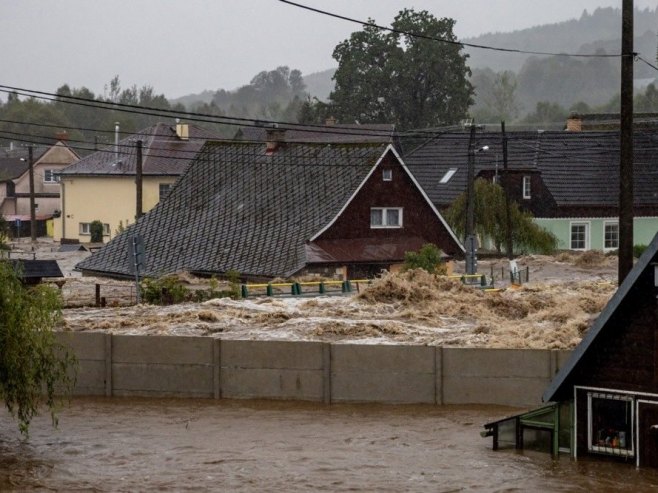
{"x": 202, "y": 367}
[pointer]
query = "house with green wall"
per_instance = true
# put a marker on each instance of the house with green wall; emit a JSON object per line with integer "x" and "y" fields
{"x": 569, "y": 181}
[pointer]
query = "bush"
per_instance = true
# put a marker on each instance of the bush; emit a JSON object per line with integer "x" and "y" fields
{"x": 427, "y": 258}
{"x": 166, "y": 290}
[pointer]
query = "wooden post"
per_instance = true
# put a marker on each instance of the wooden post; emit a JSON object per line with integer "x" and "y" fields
{"x": 626, "y": 144}
{"x": 138, "y": 181}
{"x": 33, "y": 215}
{"x": 98, "y": 295}
{"x": 509, "y": 245}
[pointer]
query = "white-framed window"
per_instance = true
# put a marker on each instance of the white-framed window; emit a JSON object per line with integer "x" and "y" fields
{"x": 526, "y": 187}
{"x": 449, "y": 174}
{"x": 610, "y": 424}
{"x": 386, "y": 217}
{"x": 387, "y": 175}
{"x": 610, "y": 235}
{"x": 579, "y": 236}
{"x": 85, "y": 229}
{"x": 49, "y": 176}
{"x": 163, "y": 190}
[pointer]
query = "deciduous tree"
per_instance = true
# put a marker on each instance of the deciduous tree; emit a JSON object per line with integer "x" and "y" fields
{"x": 390, "y": 77}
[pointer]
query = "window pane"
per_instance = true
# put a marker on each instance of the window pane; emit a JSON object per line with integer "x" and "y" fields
{"x": 612, "y": 420}
{"x": 376, "y": 217}
{"x": 578, "y": 236}
{"x": 611, "y": 236}
{"x": 392, "y": 217}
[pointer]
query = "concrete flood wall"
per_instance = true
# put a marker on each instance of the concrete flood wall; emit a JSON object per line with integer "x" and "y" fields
{"x": 118, "y": 365}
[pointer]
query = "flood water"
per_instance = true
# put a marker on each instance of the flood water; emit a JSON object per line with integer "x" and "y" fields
{"x": 204, "y": 445}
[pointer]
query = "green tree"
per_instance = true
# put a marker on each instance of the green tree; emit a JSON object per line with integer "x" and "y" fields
{"x": 4, "y": 234}
{"x": 496, "y": 96}
{"x": 33, "y": 365}
{"x": 491, "y": 222}
{"x": 546, "y": 112}
{"x": 389, "y": 77}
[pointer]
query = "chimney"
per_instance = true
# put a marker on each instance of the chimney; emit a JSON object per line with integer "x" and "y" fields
{"x": 574, "y": 123}
{"x": 330, "y": 122}
{"x": 276, "y": 137}
{"x": 182, "y": 130}
{"x": 62, "y": 135}
{"x": 116, "y": 141}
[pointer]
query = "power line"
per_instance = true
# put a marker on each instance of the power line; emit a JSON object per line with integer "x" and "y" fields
{"x": 448, "y": 41}
{"x": 650, "y": 64}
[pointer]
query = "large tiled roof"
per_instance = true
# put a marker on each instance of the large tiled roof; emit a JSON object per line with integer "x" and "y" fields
{"x": 372, "y": 132}
{"x": 163, "y": 153}
{"x": 237, "y": 208}
{"x": 578, "y": 168}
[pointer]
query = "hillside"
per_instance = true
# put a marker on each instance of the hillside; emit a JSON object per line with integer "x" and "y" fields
{"x": 602, "y": 28}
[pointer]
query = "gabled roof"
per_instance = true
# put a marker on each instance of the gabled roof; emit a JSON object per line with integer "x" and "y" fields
{"x": 578, "y": 168}
{"x": 643, "y": 270}
{"x": 339, "y": 133}
{"x": 163, "y": 153}
{"x": 237, "y": 208}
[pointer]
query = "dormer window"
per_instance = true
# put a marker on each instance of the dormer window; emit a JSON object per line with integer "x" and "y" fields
{"x": 526, "y": 187}
{"x": 387, "y": 174}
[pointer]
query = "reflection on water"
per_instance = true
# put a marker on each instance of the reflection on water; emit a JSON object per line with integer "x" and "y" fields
{"x": 185, "y": 445}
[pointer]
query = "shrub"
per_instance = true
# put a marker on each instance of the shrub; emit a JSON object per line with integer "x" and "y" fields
{"x": 427, "y": 258}
{"x": 166, "y": 290}
{"x": 96, "y": 231}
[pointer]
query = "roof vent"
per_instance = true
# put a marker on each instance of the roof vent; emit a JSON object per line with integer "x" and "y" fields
{"x": 276, "y": 137}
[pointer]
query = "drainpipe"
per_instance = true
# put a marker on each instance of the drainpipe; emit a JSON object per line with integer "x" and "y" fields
{"x": 116, "y": 141}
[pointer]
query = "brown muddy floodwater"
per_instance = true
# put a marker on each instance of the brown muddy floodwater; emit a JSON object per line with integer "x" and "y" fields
{"x": 204, "y": 445}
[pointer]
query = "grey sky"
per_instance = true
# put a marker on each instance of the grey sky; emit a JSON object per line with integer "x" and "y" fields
{"x": 185, "y": 46}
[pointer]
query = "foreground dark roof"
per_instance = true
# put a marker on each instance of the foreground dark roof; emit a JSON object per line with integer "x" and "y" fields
{"x": 643, "y": 271}
{"x": 163, "y": 153}
{"x": 237, "y": 208}
{"x": 578, "y": 168}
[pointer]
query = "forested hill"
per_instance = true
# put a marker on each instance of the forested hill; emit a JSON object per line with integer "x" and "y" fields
{"x": 573, "y": 36}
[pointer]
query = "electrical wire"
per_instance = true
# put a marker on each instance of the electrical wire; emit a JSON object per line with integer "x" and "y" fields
{"x": 449, "y": 41}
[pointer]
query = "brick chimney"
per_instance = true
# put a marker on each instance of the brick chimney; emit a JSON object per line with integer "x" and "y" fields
{"x": 62, "y": 135}
{"x": 575, "y": 123}
{"x": 330, "y": 121}
{"x": 275, "y": 138}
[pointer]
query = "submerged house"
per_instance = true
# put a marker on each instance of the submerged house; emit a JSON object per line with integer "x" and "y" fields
{"x": 279, "y": 208}
{"x": 569, "y": 181}
{"x": 604, "y": 401}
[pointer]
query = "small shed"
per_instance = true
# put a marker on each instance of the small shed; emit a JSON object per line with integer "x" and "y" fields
{"x": 32, "y": 272}
{"x": 605, "y": 398}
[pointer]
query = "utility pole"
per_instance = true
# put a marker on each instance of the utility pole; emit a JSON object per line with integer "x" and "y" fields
{"x": 626, "y": 144}
{"x": 509, "y": 245}
{"x": 33, "y": 215}
{"x": 138, "y": 182}
{"x": 469, "y": 239}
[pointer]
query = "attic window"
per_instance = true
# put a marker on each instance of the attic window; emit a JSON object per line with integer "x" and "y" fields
{"x": 526, "y": 187}
{"x": 387, "y": 174}
{"x": 449, "y": 174}
{"x": 385, "y": 217}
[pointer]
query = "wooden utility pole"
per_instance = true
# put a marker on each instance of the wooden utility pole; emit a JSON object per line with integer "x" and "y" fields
{"x": 509, "y": 245}
{"x": 626, "y": 144}
{"x": 33, "y": 214}
{"x": 138, "y": 181}
{"x": 469, "y": 239}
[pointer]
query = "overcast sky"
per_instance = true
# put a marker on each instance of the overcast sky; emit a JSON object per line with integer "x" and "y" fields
{"x": 186, "y": 46}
